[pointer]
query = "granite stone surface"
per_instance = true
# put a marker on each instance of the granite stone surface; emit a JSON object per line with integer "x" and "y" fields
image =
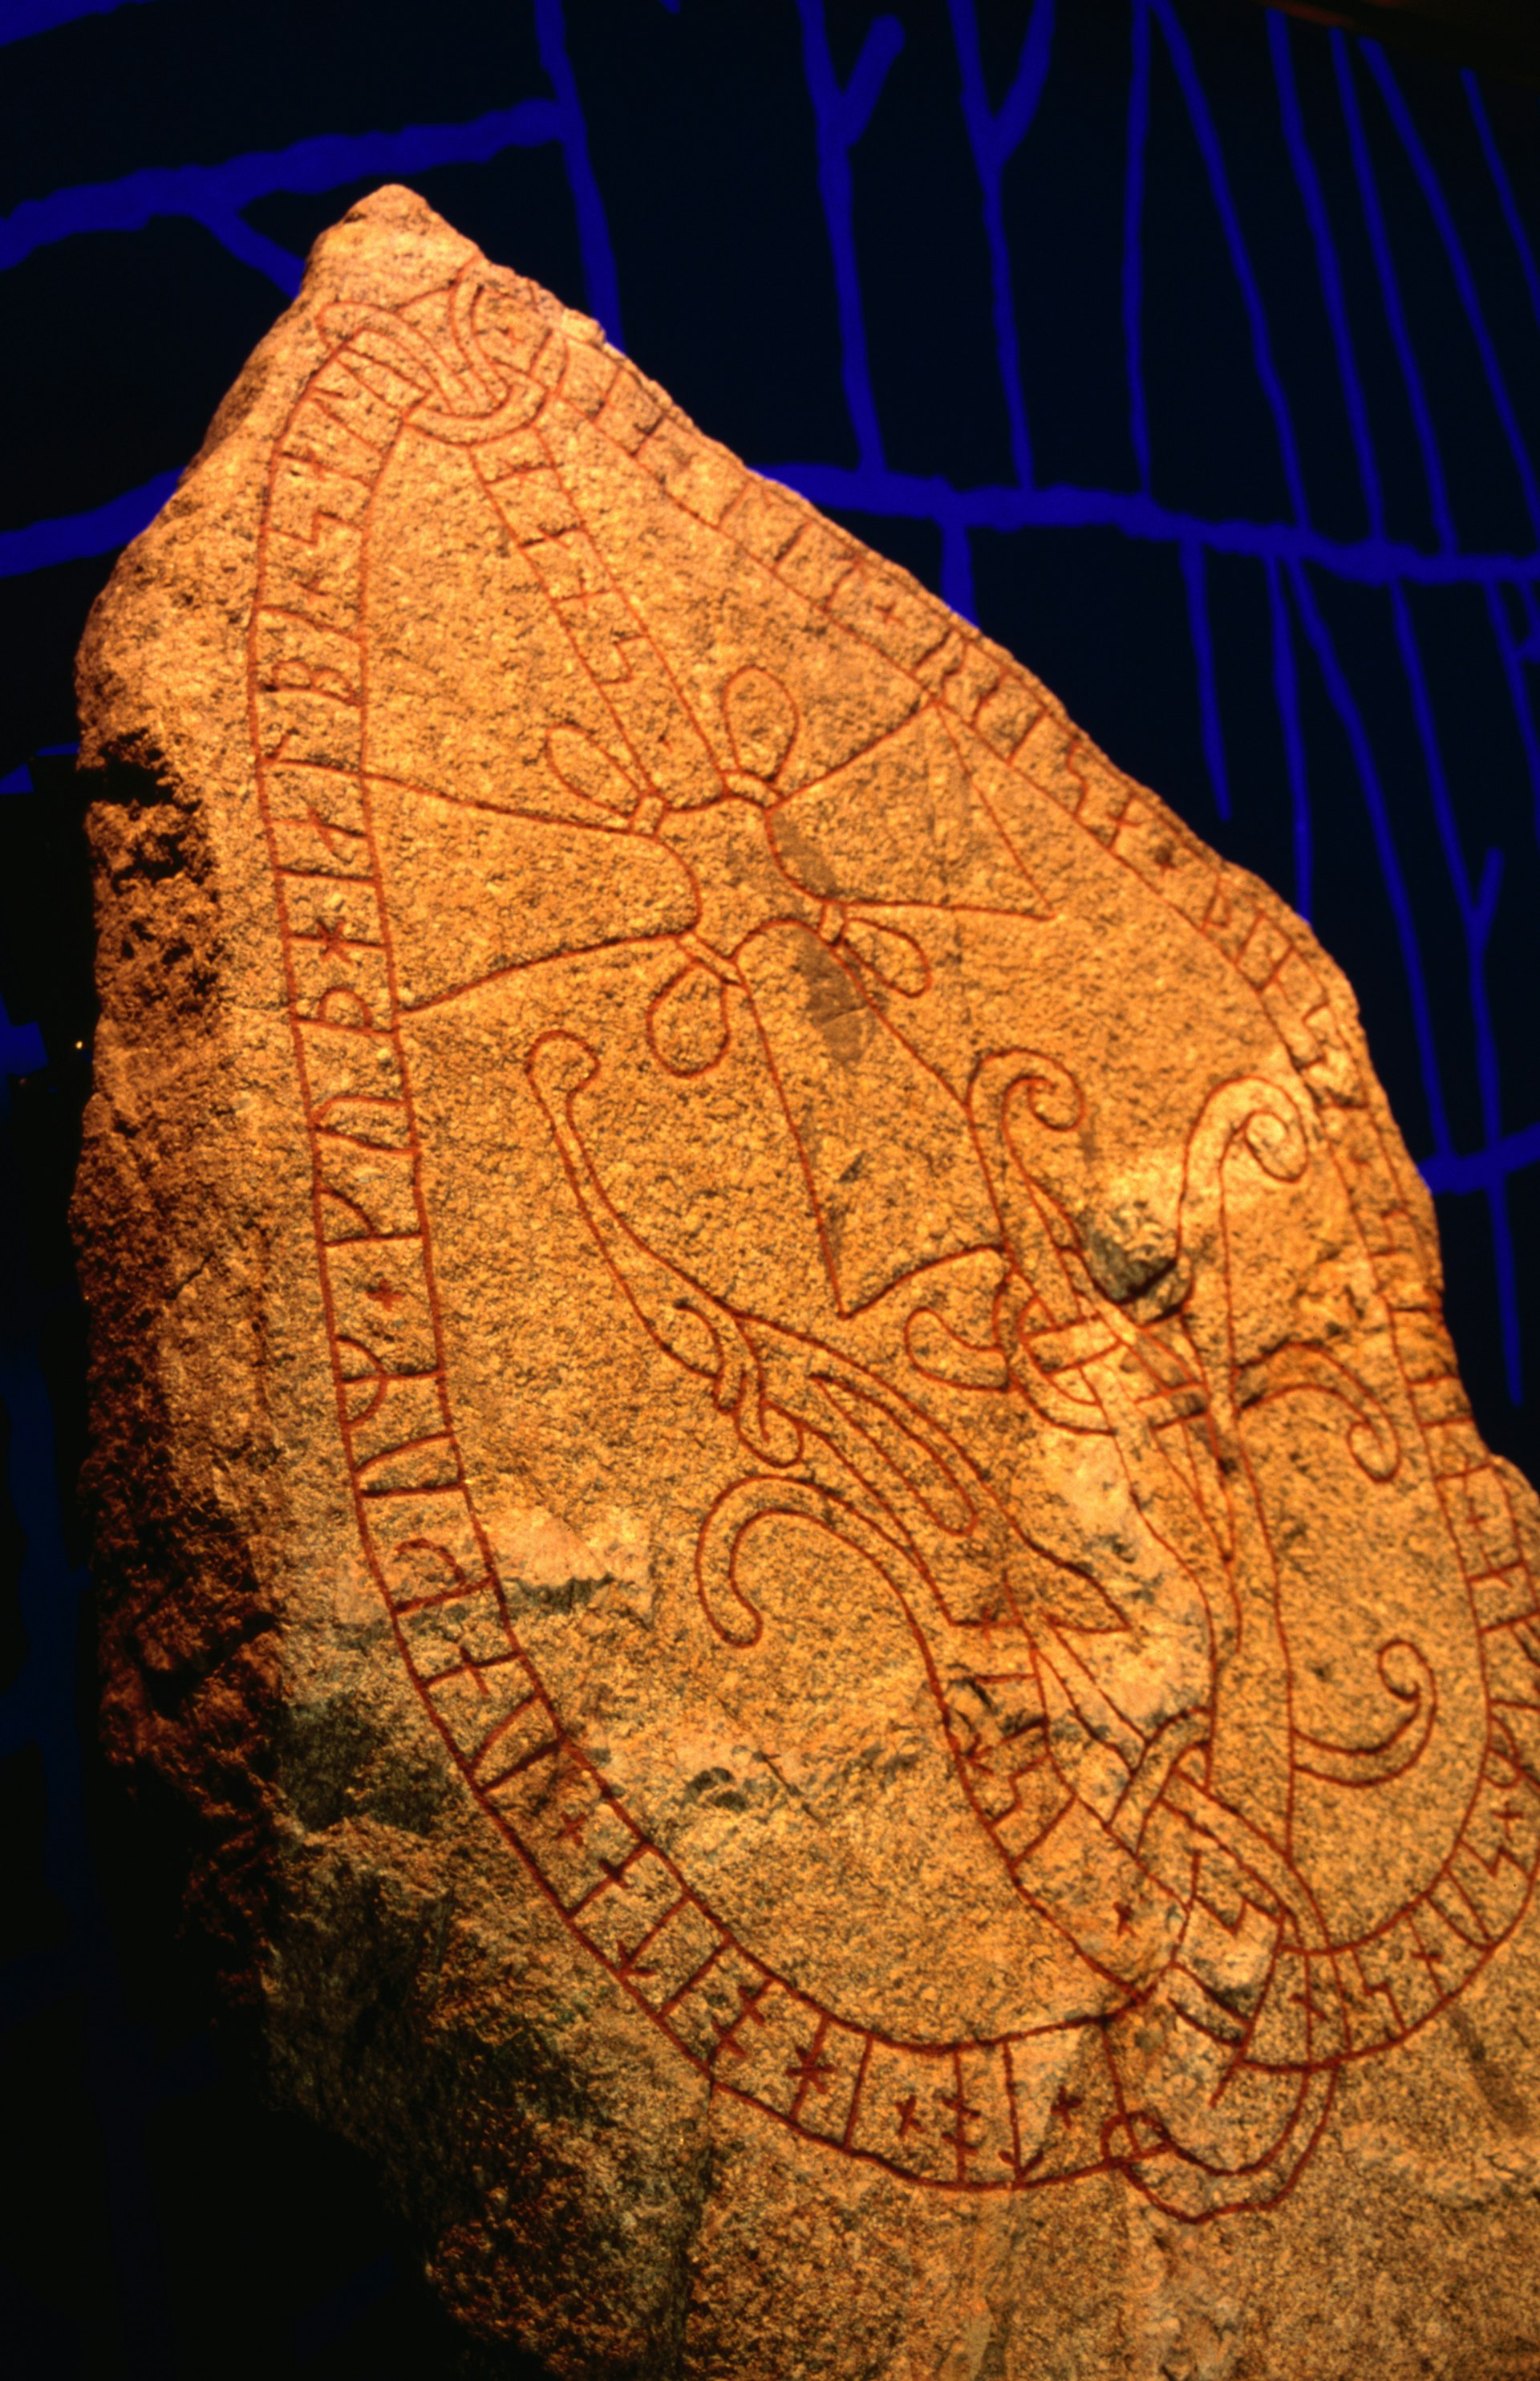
{"x": 776, "y": 1462}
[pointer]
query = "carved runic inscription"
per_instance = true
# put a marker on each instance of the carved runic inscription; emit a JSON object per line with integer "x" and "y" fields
{"x": 769, "y": 1076}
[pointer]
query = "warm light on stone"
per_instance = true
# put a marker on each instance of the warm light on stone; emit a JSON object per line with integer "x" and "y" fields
{"x": 778, "y": 1464}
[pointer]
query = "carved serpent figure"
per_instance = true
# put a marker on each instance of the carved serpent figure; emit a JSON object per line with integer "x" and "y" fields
{"x": 1111, "y": 1398}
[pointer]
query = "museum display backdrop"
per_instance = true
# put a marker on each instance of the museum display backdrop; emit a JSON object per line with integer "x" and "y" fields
{"x": 1256, "y": 699}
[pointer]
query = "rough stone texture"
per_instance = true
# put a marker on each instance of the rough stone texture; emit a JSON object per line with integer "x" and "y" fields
{"x": 776, "y": 1463}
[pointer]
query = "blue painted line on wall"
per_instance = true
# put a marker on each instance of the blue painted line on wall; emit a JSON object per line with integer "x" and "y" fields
{"x": 571, "y": 129}
{"x": 994, "y": 136}
{"x": 1329, "y": 271}
{"x": 1345, "y": 704}
{"x": 1502, "y": 183}
{"x": 1286, "y": 692}
{"x": 216, "y": 194}
{"x": 20, "y": 19}
{"x": 1450, "y": 1175}
{"x": 1201, "y": 117}
{"x": 22, "y": 1047}
{"x": 1369, "y": 562}
{"x": 1390, "y": 294}
{"x": 1199, "y": 628}
{"x": 841, "y": 113}
{"x": 1459, "y": 266}
{"x": 72, "y": 537}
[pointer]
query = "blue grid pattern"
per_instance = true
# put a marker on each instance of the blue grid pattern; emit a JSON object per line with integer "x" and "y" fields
{"x": 1389, "y": 182}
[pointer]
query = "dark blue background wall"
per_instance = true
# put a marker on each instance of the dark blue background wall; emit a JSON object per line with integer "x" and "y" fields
{"x": 1194, "y": 352}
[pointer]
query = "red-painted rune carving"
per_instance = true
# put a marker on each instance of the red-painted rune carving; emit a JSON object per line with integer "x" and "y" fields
{"x": 795, "y": 877}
